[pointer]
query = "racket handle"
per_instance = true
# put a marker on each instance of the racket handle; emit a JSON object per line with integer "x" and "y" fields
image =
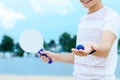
{"x": 39, "y": 52}
{"x": 82, "y": 47}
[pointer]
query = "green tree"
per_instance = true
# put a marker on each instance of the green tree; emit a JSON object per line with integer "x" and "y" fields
{"x": 67, "y": 42}
{"x": 52, "y": 43}
{"x": 7, "y": 44}
{"x": 0, "y": 47}
{"x": 119, "y": 46}
{"x": 64, "y": 40}
{"x": 71, "y": 43}
{"x": 119, "y": 43}
{"x": 46, "y": 46}
{"x": 19, "y": 52}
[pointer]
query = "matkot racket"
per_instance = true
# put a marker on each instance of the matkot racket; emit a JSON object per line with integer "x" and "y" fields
{"x": 32, "y": 41}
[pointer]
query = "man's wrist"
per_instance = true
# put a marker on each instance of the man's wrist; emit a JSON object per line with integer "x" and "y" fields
{"x": 92, "y": 52}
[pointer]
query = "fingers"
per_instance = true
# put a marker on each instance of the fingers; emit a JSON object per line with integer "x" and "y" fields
{"x": 79, "y": 52}
{"x": 45, "y": 59}
{"x": 44, "y": 55}
{"x": 45, "y": 52}
{"x": 83, "y": 52}
{"x": 47, "y": 56}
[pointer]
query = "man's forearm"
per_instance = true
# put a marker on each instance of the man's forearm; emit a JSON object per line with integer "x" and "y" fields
{"x": 106, "y": 44}
{"x": 68, "y": 58}
{"x": 103, "y": 50}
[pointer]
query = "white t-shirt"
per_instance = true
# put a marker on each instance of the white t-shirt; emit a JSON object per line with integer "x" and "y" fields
{"x": 90, "y": 29}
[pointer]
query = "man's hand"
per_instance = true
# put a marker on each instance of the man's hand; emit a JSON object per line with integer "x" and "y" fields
{"x": 89, "y": 47}
{"x": 67, "y": 58}
{"x": 49, "y": 54}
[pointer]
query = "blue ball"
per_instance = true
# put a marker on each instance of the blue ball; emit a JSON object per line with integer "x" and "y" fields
{"x": 80, "y": 47}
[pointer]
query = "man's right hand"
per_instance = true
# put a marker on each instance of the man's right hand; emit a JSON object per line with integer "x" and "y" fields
{"x": 49, "y": 54}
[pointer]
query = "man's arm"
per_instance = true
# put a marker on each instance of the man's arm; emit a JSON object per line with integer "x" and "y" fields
{"x": 67, "y": 58}
{"x": 102, "y": 49}
{"x": 106, "y": 43}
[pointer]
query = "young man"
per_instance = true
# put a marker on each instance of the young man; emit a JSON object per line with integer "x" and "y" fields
{"x": 97, "y": 30}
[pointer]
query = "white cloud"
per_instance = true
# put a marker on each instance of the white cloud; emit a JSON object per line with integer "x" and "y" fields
{"x": 53, "y": 6}
{"x": 8, "y": 17}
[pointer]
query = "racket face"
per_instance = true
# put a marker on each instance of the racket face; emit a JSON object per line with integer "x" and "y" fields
{"x": 31, "y": 41}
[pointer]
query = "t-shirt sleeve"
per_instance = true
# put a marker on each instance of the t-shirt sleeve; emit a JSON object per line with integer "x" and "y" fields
{"x": 112, "y": 23}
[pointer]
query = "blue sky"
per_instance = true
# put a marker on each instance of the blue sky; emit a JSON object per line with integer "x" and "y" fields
{"x": 50, "y": 17}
